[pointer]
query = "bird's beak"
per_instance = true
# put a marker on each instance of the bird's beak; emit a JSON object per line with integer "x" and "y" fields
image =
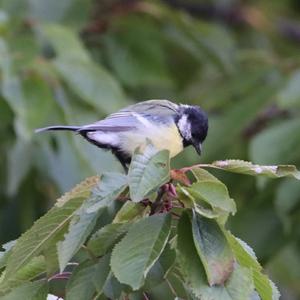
{"x": 198, "y": 147}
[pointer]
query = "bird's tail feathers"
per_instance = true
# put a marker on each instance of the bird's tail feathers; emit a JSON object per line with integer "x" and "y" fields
{"x": 58, "y": 127}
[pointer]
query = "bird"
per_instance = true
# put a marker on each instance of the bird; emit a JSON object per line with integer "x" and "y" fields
{"x": 165, "y": 124}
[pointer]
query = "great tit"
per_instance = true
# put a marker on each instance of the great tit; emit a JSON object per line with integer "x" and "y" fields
{"x": 165, "y": 124}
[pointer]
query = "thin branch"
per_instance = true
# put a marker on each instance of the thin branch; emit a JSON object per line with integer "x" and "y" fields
{"x": 64, "y": 275}
{"x": 146, "y": 296}
{"x": 233, "y": 14}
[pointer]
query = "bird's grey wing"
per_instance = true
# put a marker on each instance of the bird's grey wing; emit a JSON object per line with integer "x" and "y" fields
{"x": 128, "y": 118}
{"x": 154, "y": 109}
{"x": 117, "y": 122}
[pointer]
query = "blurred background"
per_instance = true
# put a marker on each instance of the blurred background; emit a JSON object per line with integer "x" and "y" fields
{"x": 75, "y": 61}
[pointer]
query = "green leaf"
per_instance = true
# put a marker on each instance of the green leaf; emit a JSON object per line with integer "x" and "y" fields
{"x": 19, "y": 164}
{"x": 38, "y": 112}
{"x": 160, "y": 269}
{"x": 285, "y": 266}
{"x": 213, "y": 249}
{"x": 133, "y": 257}
{"x": 29, "y": 291}
{"x": 162, "y": 291}
{"x": 140, "y": 40}
{"x": 190, "y": 201}
{"x": 35, "y": 115}
{"x": 11, "y": 90}
{"x": 286, "y": 201}
{"x": 199, "y": 40}
{"x": 83, "y": 190}
{"x": 288, "y": 97}
{"x": 48, "y": 10}
{"x": 287, "y": 149}
{"x": 136, "y": 295}
{"x": 102, "y": 274}
{"x": 131, "y": 212}
{"x": 189, "y": 260}
{"x": 41, "y": 235}
{"x": 60, "y": 36}
{"x": 24, "y": 95}
{"x": 51, "y": 258}
{"x": 239, "y": 285}
{"x": 248, "y": 168}
{"x": 175, "y": 281}
{"x": 32, "y": 270}
{"x": 63, "y": 164}
{"x": 80, "y": 227}
{"x": 211, "y": 190}
{"x": 84, "y": 220}
{"x": 148, "y": 171}
{"x": 88, "y": 279}
{"x": 246, "y": 257}
{"x": 243, "y": 253}
{"x": 106, "y": 237}
{"x": 266, "y": 288}
{"x": 92, "y": 83}
{"x": 112, "y": 288}
{"x": 242, "y": 113}
{"x": 110, "y": 187}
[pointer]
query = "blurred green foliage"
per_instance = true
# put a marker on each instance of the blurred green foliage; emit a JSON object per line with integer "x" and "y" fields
{"x": 74, "y": 61}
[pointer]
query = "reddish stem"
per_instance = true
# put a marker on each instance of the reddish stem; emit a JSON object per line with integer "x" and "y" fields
{"x": 64, "y": 275}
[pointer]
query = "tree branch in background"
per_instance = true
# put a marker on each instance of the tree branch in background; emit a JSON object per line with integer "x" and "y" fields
{"x": 236, "y": 15}
{"x": 262, "y": 120}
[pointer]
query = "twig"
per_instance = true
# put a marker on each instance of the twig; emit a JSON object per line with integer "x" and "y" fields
{"x": 229, "y": 14}
{"x": 64, "y": 275}
{"x": 146, "y": 296}
{"x": 261, "y": 121}
{"x": 240, "y": 15}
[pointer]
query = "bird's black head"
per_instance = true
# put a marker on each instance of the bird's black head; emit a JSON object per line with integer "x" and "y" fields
{"x": 192, "y": 124}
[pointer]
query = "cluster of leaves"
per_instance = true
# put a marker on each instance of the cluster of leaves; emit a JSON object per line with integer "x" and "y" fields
{"x": 74, "y": 61}
{"x": 135, "y": 236}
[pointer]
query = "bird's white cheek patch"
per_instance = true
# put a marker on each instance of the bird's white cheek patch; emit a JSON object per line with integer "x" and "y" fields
{"x": 104, "y": 138}
{"x": 185, "y": 127}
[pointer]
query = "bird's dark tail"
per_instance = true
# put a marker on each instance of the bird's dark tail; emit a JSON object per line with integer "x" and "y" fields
{"x": 58, "y": 127}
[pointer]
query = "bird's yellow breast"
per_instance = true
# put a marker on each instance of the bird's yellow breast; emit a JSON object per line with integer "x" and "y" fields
{"x": 161, "y": 136}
